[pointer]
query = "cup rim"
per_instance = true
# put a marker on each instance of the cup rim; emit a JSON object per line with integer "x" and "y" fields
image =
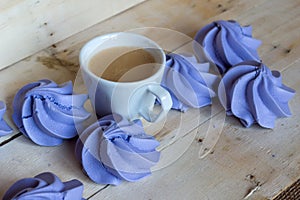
{"x": 108, "y": 35}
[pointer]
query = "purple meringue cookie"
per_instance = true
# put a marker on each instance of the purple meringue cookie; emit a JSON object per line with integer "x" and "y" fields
{"x": 46, "y": 112}
{"x": 114, "y": 149}
{"x": 188, "y": 82}
{"x": 4, "y": 128}
{"x": 253, "y": 93}
{"x": 226, "y": 43}
{"x": 45, "y": 186}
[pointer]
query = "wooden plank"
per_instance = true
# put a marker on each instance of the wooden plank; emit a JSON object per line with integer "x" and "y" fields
{"x": 242, "y": 159}
{"x": 270, "y": 21}
{"x": 22, "y": 158}
{"x": 185, "y": 17}
{"x": 270, "y": 156}
{"x": 271, "y": 29}
{"x": 29, "y": 26}
{"x": 167, "y": 133}
{"x": 27, "y": 71}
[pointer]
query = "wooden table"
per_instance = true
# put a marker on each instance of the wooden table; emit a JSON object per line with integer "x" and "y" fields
{"x": 251, "y": 163}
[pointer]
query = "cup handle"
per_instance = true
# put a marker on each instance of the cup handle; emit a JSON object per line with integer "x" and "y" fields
{"x": 165, "y": 100}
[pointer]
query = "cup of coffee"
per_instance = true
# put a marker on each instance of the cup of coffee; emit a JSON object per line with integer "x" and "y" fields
{"x": 122, "y": 73}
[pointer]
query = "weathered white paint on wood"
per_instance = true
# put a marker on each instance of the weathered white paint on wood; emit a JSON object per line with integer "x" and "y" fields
{"x": 241, "y": 159}
{"x": 271, "y": 157}
{"x": 27, "y": 26}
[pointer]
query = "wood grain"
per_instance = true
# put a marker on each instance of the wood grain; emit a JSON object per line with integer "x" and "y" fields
{"x": 28, "y": 26}
{"x": 244, "y": 160}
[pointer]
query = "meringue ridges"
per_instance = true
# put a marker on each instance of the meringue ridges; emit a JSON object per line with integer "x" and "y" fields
{"x": 226, "y": 44}
{"x": 189, "y": 82}
{"x": 4, "y": 128}
{"x": 45, "y": 186}
{"x": 114, "y": 149}
{"x": 46, "y": 112}
{"x": 255, "y": 94}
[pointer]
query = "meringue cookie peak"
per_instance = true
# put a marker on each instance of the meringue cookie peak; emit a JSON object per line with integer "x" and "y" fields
{"x": 4, "y": 128}
{"x": 114, "y": 149}
{"x": 188, "y": 82}
{"x": 45, "y": 186}
{"x": 255, "y": 94}
{"x": 226, "y": 43}
{"x": 46, "y": 112}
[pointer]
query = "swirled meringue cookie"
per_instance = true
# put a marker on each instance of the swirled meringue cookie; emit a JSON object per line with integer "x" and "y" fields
{"x": 188, "y": 82}
{"x": 114, "y": 149}
{"x": 46, "y": 112}
{"x": 45, "y": 186}
{"x": 4, "y": 128}
{"x": 253, "y": 93}
{"x": 226, "y": 43}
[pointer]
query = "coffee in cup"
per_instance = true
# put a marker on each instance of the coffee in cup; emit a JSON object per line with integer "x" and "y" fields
{"x": 123, "y": 64}
{"x": 122, "y": 72}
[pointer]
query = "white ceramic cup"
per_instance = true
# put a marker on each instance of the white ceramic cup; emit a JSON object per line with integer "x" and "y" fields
{"x": 133, "y": 99}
